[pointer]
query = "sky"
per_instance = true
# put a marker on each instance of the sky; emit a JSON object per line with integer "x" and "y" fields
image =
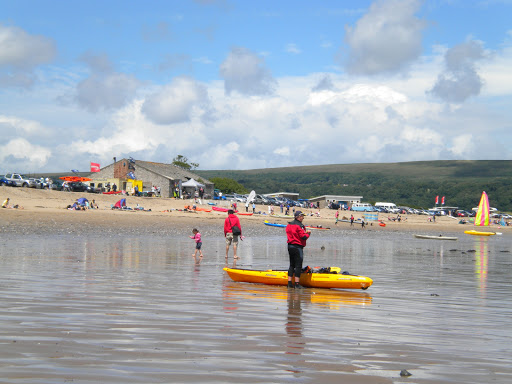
{"x": 236, "y": 84}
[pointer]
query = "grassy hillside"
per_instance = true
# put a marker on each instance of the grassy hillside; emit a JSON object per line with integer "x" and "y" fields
{"x": 414, "y": 184}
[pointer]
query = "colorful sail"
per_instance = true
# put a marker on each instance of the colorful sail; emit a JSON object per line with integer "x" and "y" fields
{"x": 482, "y": 215}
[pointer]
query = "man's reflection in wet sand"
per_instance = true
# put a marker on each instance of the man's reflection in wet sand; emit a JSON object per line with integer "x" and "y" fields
{"x": 293, "y": 326}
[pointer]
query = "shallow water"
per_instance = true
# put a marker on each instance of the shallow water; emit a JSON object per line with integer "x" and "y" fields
{"x": 90, "y": 308}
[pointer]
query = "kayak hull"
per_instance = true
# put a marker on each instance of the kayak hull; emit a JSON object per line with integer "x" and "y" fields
{"x": 432, "y": 237}
{"x": 274, "y": 224}
{"x": 479, "y": 233}
{"x": 310, "y": 280}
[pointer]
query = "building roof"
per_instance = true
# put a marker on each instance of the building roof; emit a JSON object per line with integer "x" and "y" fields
{"x": 336, "y": 197}
{"x": 170, "y": 171}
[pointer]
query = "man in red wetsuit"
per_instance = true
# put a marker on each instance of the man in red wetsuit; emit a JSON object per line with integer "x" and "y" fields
{"x": 297, "y": 237}
{"x": 230, "y": 222}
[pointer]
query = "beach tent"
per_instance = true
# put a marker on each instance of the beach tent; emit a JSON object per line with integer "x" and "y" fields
{"x": 120, "y": 204}
{"x": 82, "y": 201}
{"x": 192, "y": 183}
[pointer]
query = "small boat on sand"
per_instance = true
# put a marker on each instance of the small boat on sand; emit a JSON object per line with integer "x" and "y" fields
{"x": 480, "y": 233}
{"x": 266, "y": 222}
{"x": 433, "y": 237}
{"x": 311, "y": 279}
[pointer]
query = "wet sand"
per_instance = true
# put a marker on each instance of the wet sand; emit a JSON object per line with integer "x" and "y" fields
{"x": 107, "y": 296}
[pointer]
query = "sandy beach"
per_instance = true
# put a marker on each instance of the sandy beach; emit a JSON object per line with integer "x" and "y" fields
{"x": 43, "y": 209}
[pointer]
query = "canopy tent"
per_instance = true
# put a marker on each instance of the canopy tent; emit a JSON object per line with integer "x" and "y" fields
{"x": 192, "y": 183}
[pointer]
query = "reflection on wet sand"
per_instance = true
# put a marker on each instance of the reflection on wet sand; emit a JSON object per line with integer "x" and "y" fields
{"x": 481, "y": 263}
{"x": 293, "y": 324}
{"x": 330, "y": 298}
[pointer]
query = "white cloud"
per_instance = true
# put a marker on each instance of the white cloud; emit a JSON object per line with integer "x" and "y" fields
{"x": 19, "y": 154}
{"x": 105, "y": 91}
{"x": 386, "y": 39}
{"x": 15, "y": 126}
{"x": 460, "y": 79}
{"x": 246, "y": 73}
{"x": 175, "y": 102}
{"x": 283, "y": 151}
{"x": 293, "y": 48}
{"x": 20, "y": 54}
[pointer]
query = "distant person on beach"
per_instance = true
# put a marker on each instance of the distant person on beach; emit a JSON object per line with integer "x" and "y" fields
{"x": 5, "y": 204}
{"x": 296, "y": 238}
{"x": 351, "y": 220}
{"x": 231, "y": 224}
{"x": 337, "y": 215}
{"x": 197, "y": 237}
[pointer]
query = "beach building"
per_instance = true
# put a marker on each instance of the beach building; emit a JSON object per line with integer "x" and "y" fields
{"x": 346, "y": 201}
{"x": 128, "y": 173}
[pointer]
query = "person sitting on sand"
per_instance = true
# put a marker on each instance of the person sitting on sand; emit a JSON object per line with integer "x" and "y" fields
{"x": 5, "y": 204}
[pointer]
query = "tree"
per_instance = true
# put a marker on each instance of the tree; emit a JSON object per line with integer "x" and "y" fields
{"x": 227, "y": 185}
{"x": 182, "y": 162}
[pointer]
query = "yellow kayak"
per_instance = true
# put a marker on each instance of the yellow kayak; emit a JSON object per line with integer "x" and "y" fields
{"x": 310, "y": 280}
{"x": 478, "y": 233}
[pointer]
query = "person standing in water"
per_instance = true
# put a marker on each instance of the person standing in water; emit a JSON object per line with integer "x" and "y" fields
{"x": 296, "y": 238}
{"x": 232, "y": 230}
{"x": 197, "y": 237}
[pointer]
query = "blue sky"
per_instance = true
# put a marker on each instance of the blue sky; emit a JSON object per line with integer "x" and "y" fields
{"x": 253, "y": 84}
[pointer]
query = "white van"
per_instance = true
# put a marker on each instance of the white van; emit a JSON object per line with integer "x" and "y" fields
{"x": 362, "y": 207}
{"x": 390, "y": 207}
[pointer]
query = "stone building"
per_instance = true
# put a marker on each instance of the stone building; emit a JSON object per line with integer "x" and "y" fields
{"x": 168, "y": 177}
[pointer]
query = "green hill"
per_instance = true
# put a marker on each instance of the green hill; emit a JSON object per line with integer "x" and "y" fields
{"x": 414, "y": 184}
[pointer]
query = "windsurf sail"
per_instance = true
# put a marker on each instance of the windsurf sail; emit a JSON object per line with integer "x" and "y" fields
{"x": 251, "y": 196}
{"x": 482, "y": 215}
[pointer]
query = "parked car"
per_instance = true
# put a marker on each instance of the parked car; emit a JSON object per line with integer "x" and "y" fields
{"x": 35, "y": 183}
{"x": 77, "y": 186}
{"x": 40, "y": 183}
{"x": 56, "y": 185}
{"x": 94, "y": 189}
{"x": 239, "y": 198}
{"x": 19, "y": 180}
{"x": 272, "y": 201}
{"x": 217, "y": 195}
{"x": 260, "y": 199}
{"x": 6, "y": 182}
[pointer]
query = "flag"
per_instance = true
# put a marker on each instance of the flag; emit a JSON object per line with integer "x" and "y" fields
{"x": 442, "y": 201}
{"x": 95, "y": 167}
{"x": 437, "y": 200}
